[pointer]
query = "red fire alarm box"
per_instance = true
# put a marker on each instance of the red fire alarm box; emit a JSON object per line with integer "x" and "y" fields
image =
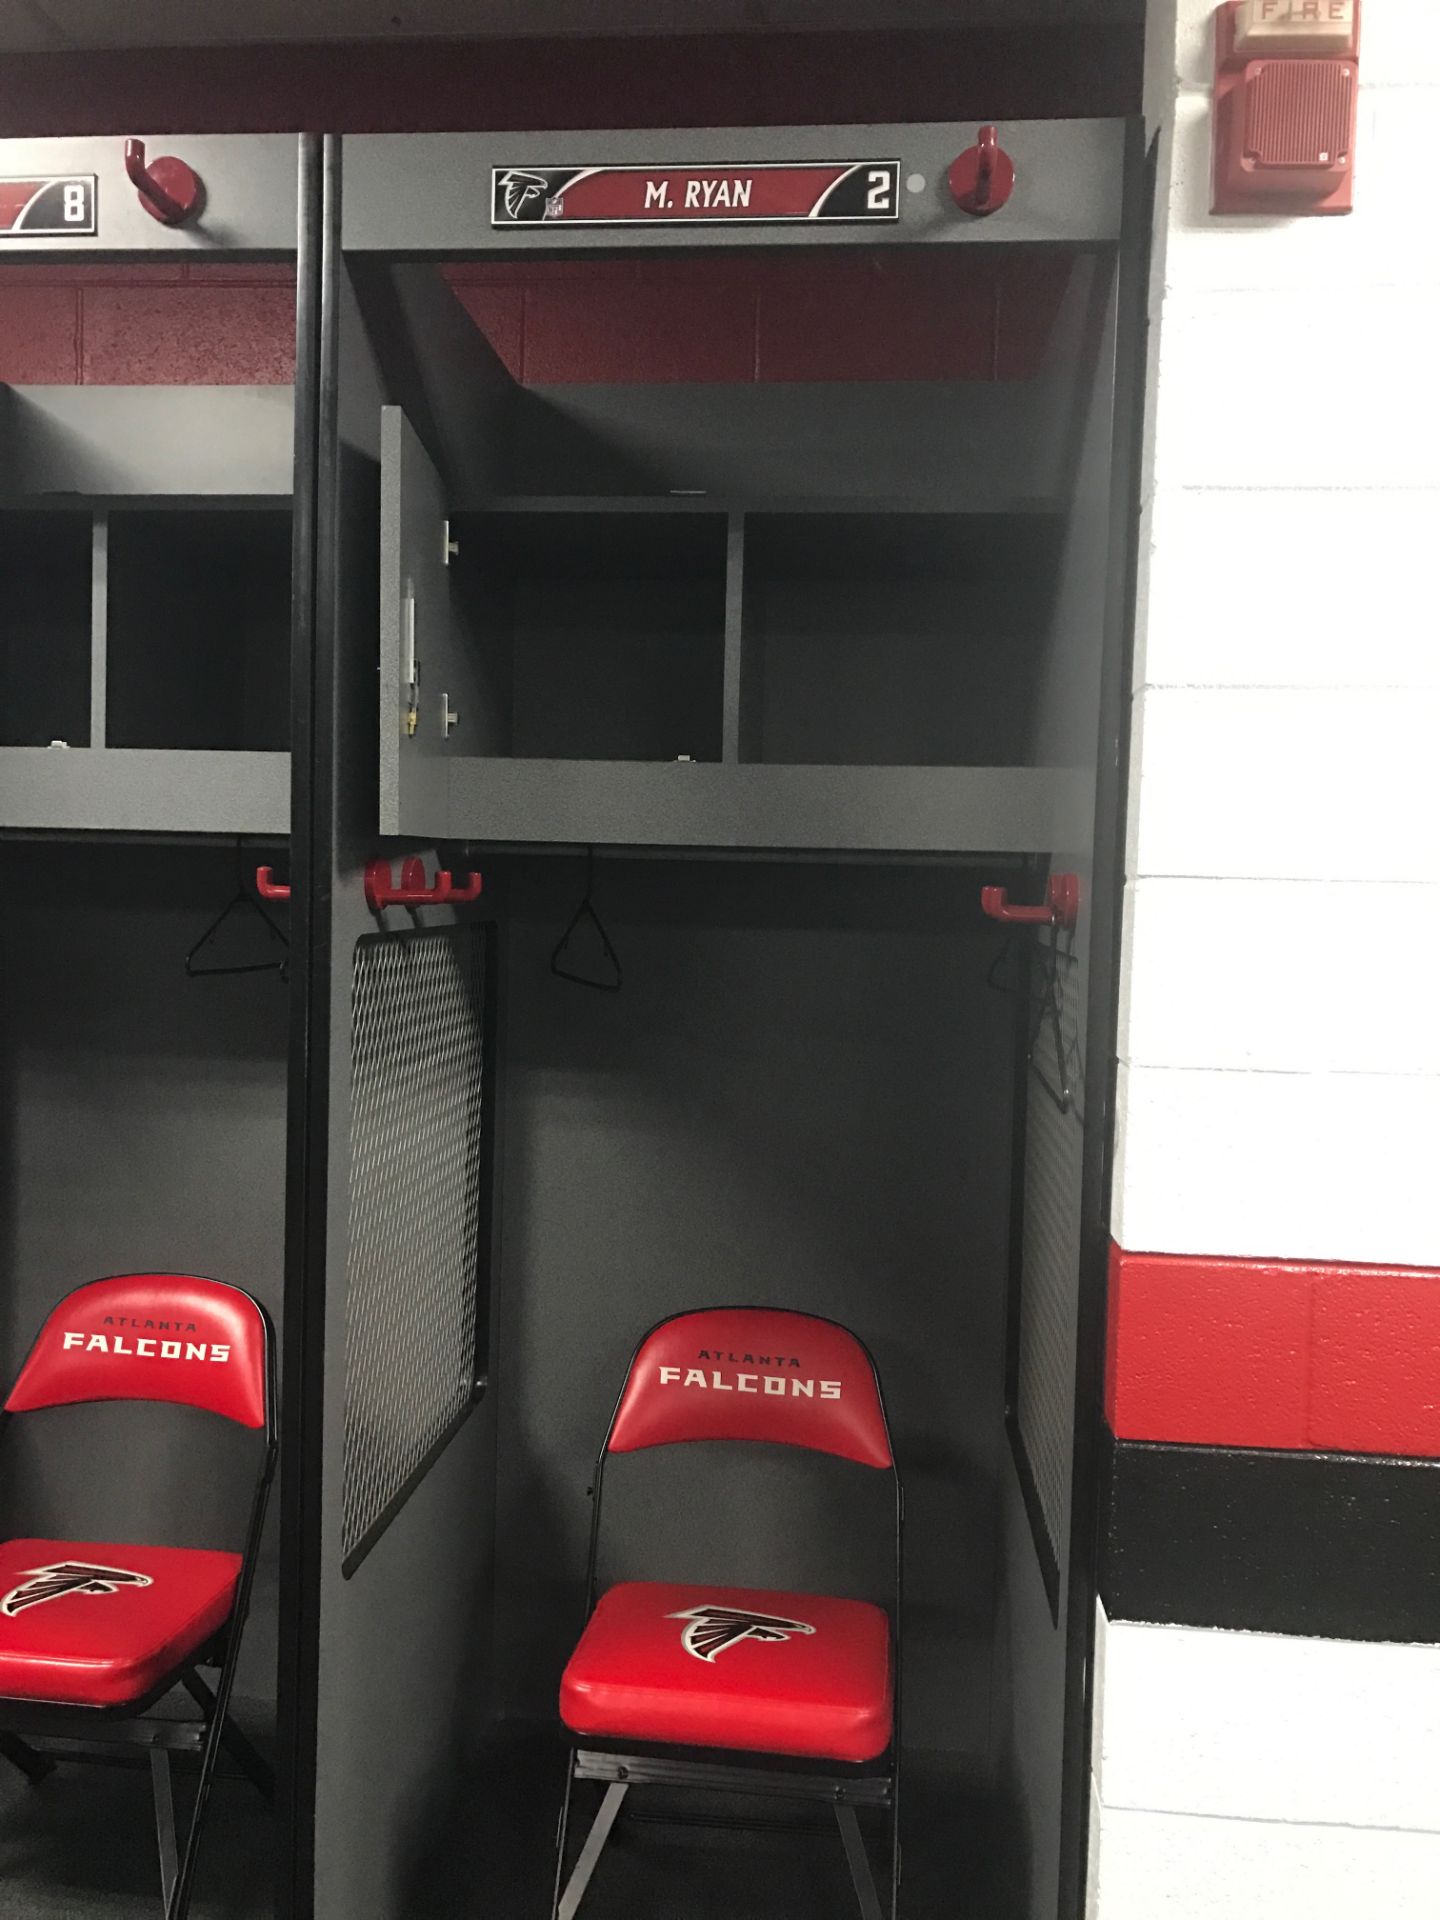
{"x": 1286, "y": 83}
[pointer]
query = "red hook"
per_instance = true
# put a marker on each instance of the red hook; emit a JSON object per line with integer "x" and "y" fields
{"x": 413, "y": 890}
{"x": 1061, "y": 908}
{"x": 269, "y": 888}
{"x": 169, "y": 191}
{"x": 983, "y": 178}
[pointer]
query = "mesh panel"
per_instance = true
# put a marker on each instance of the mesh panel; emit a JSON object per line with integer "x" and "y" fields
{"x": 1054, "y": 1138}
{"x": 417, "y": 1044}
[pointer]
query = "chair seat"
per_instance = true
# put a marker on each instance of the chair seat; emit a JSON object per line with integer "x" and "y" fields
{"x": 736, "y": 1667}
{"x": 102, "y": 1626}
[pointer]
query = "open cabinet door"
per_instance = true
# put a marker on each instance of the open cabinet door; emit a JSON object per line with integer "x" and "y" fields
{"x": 388, "y": 1438}
{"x": 417, "y": 694}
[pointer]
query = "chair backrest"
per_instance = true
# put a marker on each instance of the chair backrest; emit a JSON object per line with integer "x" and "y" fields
{"x": 753, "y": 1373}
{"x": 152, "y": 1336}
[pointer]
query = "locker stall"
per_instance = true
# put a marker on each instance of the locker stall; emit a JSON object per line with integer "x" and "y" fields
{"x": 145, "y": 621}
{"x": 737, "y": 693}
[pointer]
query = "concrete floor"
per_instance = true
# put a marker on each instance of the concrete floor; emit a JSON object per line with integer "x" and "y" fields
{"x": 662, "y": 1865}
{"x": 81, "y": 1847}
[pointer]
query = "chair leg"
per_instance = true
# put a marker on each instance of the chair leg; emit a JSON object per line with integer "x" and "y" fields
{"x": 164, "y": 1823}
{"x": 859, "y": 1861}
{"x": 178, "y": 1905}
{"x": 562, "y": 1834}
{"x": 895, "y": 1863}
{"x": 590, "y": 1853}
{"x": 35, "y": 1766}
{"x": 234, "y": 1740}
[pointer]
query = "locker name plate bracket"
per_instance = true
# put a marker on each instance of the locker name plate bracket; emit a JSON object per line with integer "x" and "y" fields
{"x": 756, "y": 194}
{"x": 47, "y": 206}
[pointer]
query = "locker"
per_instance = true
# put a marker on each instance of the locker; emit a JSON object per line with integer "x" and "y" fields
{"x": 145, "y": 642}
{"x": 737, "y": 688}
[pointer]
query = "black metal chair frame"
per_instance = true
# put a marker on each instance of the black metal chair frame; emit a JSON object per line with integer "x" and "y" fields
{"x": 842, "y": 1786}
{"x": 114, "y": 1734}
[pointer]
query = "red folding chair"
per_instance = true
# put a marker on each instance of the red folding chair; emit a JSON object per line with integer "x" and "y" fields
{"x": 94, "y": 1635}
{"x": 790, "y": 1695}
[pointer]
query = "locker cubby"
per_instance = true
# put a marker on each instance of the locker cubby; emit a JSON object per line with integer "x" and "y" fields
{"x": 893, "y": 639}
{"x": 45, "y": 621}
{"x": 812, "y": 614}
{"x": 198, "y": 629}
{"x": 601, "y": 636}
{"x": 145, "y": 609}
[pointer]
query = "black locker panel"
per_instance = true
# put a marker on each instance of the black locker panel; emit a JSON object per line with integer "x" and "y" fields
{"x": 198, "y": 629}
{"x": 794, "y": 1100}
{"x": 45, "y": 591}
{"x": 392, "y": 1653}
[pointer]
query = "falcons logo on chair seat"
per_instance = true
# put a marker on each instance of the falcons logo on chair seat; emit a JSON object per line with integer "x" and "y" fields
{"x": 70, "y": 1576}
{"x": 712, "y": 1629}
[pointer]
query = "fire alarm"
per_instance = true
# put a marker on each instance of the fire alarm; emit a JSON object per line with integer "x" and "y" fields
{"x": 1286, "y": 83}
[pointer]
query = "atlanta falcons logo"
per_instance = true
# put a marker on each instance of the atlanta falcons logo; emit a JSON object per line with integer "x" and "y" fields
{"x": 712, "y": 1629}
{"x": 520, "y": 189}
{"x": 71, "y": 1576}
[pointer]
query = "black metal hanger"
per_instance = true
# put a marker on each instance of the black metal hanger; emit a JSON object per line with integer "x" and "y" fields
{"x": 586, "y": 911}
{"x": 1037, "y": 974}
{"x": 242, "y": 901}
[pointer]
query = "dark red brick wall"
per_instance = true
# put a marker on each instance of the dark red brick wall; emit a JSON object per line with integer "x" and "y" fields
{"x": 143, "y": 325}
{"x": 857, "y": 316}
{"x": 852, "y": 318}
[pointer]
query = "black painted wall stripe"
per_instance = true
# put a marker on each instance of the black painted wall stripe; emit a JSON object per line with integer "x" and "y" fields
{"x": 1343, "y": 1546}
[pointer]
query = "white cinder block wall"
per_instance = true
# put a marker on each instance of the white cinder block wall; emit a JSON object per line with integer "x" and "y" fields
{"x": 1287, "y": 683}
{"x": 1280, "y": 1059}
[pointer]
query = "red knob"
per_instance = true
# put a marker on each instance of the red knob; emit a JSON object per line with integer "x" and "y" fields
{"x": 983, "y": 178}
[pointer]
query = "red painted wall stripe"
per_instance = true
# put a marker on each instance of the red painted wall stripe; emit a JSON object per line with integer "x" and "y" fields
{"x": 1274, "y": 1353}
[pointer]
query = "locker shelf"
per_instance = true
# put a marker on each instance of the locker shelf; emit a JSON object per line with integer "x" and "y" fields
{"x": 120, "y": 790}
{"x": 164, "y": 443}
{"x": 960, "y": 503}
{"x": 800, "y": 808}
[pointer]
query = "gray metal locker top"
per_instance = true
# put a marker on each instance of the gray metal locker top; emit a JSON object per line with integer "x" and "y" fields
{"x": 430, "y": 194}
{"x": 250, "y": 195}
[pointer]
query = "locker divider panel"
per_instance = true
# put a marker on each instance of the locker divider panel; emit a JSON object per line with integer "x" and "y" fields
{"x": 1124, "y": 350}
{"x": 397, "y": 1648}
{"x": 1033, "y": 1647}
